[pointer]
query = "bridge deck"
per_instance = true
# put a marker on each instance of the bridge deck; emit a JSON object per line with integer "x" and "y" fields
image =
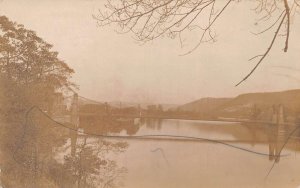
{"x": 182, "y": 118}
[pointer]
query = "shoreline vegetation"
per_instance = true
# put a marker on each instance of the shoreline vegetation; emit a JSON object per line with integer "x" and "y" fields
{"x": 32, "y": 75}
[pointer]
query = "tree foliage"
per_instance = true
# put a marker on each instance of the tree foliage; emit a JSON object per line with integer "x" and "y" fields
{"x": 30, "y": 71}
{"x": 30, "y": 75}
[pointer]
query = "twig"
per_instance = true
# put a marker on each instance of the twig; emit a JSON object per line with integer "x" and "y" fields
{"x": 265, "y": 54}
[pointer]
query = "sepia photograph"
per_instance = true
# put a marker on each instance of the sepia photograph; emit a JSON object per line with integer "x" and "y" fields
{"x": 149, "y": 94}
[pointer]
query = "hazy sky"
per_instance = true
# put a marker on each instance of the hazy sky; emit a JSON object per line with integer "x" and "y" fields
{"x": 110, "y": 66}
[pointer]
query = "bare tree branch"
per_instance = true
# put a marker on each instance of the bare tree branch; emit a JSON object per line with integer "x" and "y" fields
{"x": 265, "y": 54}
{"x": 152, "y": 19}
{"x": 287, "y": 11}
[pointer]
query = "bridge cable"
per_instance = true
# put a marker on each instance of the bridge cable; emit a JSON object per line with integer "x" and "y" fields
{"x": 153, "y": 136}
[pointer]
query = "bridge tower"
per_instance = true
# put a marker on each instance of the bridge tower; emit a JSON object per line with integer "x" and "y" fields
{"x": 139, "y": 110}
{"x": 74, "y": 122}
{"x": 278, "y": 118}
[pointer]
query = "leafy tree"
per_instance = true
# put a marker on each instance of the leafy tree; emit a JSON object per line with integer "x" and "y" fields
{"x": 30, "y": 74}
{"x": 28, "y": 64}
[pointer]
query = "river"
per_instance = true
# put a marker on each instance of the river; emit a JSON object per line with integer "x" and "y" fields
{"x": 199, "y": 157}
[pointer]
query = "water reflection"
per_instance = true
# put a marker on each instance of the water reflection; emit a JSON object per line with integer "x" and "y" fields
{"x": 251, "y": 133}
{"x": 192, "y": 163}
{"x": 54, "y": 156}
{"x": 151, "y": 123}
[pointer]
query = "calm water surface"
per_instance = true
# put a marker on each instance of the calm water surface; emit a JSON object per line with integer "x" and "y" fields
{"x": 181, "y": 163}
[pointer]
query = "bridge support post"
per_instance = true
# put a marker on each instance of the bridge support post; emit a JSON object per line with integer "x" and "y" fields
{"x": 75, "y": 123}
{"x": 280, "y": 132}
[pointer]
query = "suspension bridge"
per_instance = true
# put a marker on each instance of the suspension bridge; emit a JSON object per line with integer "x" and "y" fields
{"x": 275, "y": 146}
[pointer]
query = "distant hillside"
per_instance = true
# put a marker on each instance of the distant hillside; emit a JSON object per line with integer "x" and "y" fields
{"x": 84, "y": 101}
{"x": 204, "y": 105}
{"x": 242, "y": 106}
